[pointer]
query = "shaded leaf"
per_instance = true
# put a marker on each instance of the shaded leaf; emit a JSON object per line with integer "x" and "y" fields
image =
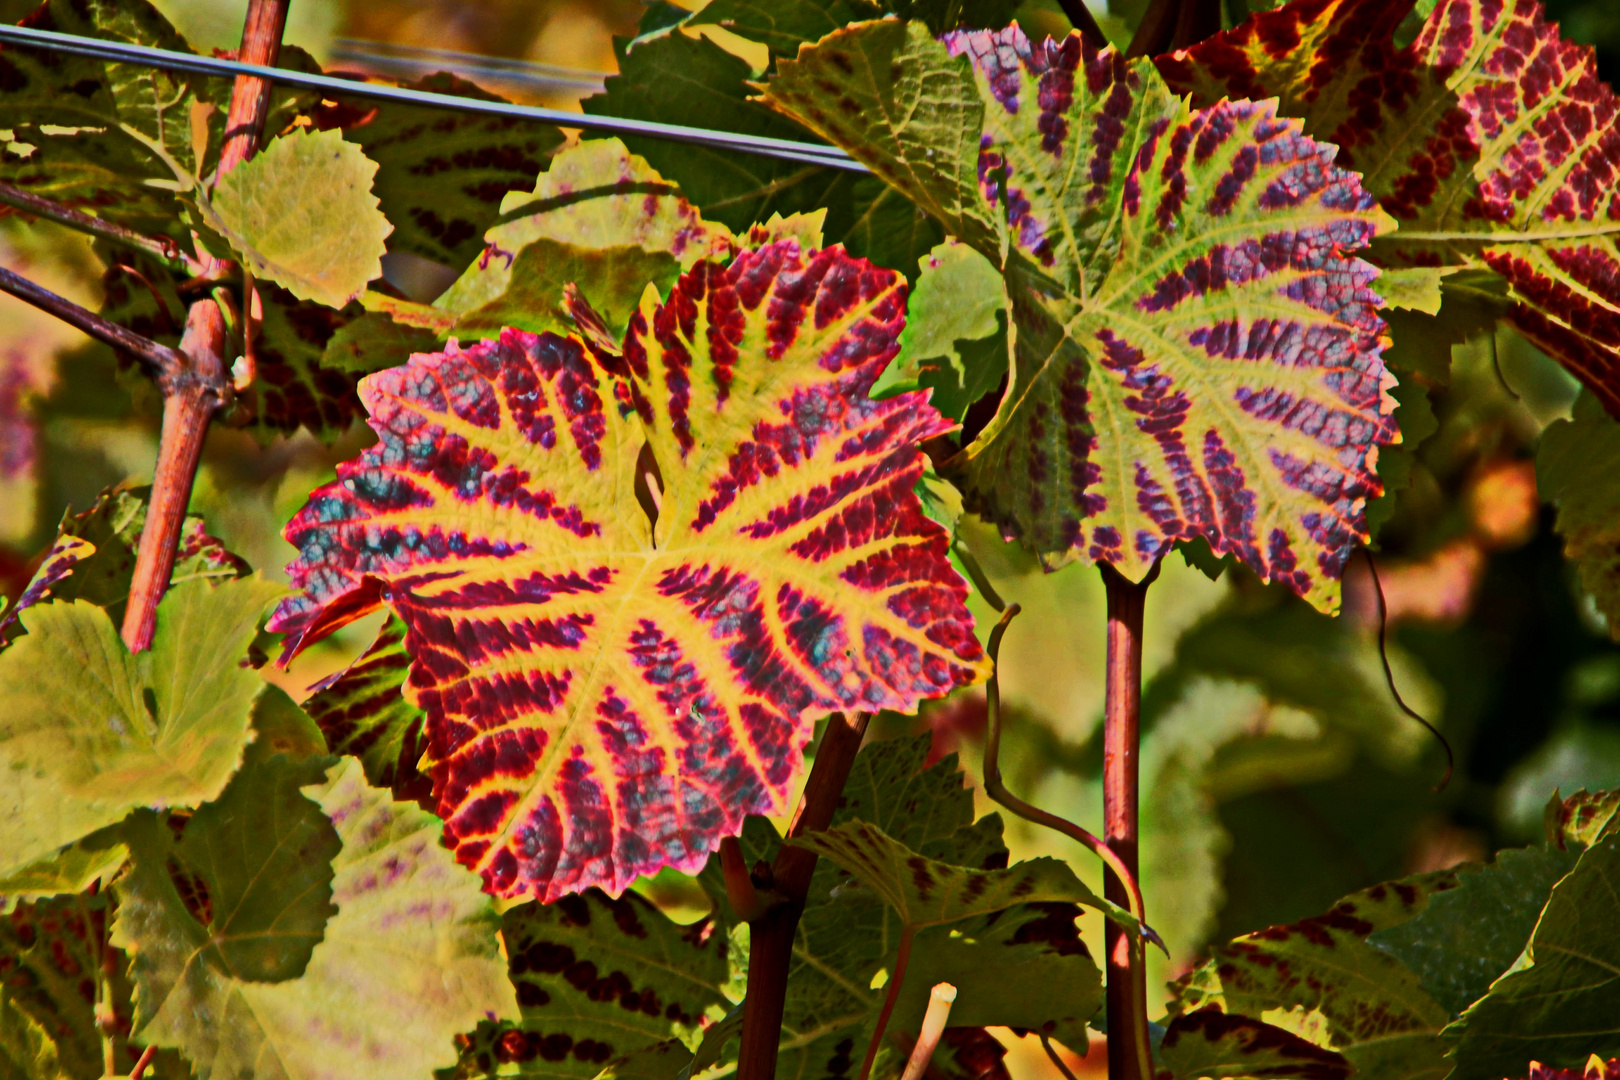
{"x": 1211, "y": 1043}
{"x": 71, "y": 870}
{"x": 612, "y": 279}
{"x": 281, "y": 726}
{"x": 374, "y": 341}
{"x": 26, "y": 1051}
{"x": 927, "y": 892}
{"x": 1583, "y": 818}
{"x": 1469, "y": 935}
{"x": 1321, "y": 980}
{"x": 677, "y": 79}
{"x": 413, "y": 938}
{"x": 595, "y": 196}
{"x": 1557, "y": 1003}
{"x": 780, "y": 25}
{"x": 1578, "y": 469}
{"x": 1490, "y": 138}
{"x": 91, "y": 732}
{"x": 362, "y": 711}
{"x": 679, "y": 678}
{"x": 597, "y": 980}
{"x": 442, "y": 174}
{"x": 301, "y": 213}
{"x": 1197, "y": 355}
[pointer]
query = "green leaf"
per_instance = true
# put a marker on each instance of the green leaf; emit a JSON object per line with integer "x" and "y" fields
{"x": 596, "y": 196}
{"x": 27, "y": 1052}
{"x": 955, "y": 340}
{"x": 362, "y": 711}
{"x": 374, "y": 341}
{"x": 612, "y": 280}
{"x": 927, "y": 892}
{"x": 1321, "y": 980}
{"x": 1578, "y": 468}
{"x": 441, "y": 174}
{"x": 301, "y": 214}
{"x": 907, "y": 109}
{"x": 780, "y": 25}
{"x": 1557, "y": 1004}
{"x": 1469, "y": 935}
{"x": 677, "y": 79}
{"x": 71, "y": 870}
{"x": 411, "y": 958}
{"x": 1197, "y": 354}
{"x": 597, "y": 980}
{"x": 1415, "y": 288}
{"x": 1583, "y": 818}
{"x": 91, "y": 732}
{"x": 281, "y": 726}
{"x": 1226, "y": 1046}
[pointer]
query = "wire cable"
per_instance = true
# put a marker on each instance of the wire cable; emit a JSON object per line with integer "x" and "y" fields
{"x": 123, "y": 52}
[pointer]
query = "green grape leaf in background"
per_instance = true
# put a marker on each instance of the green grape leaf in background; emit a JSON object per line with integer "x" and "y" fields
{"x": 91, "y": 732}
{"x": 1319, "y": 978}
{"x": 374, "y": 341}
{"x": 363, "y": 711}
{"x": 612, "y": 280}
{"x": 955, "y": 340}
{"x": 1578, "y": 470}
{"x": 599, "y": 979}
{"x": 1197, "y": 353}
{"x": 1557, "y": 1003}
{"x": 441, "y": 174}
{"x": 927, "y": 892}
{"x": 1583, "y": 818}
{"x": 72, "y": 870}
{"x": 1225, "y": 1046}
{"x": 1467, "y": 936}
{"x": 301, "y": 213}
{"x": 411, "y": 958}
{"x": 27, "y": 1052}
{"x": 780, "y": 25}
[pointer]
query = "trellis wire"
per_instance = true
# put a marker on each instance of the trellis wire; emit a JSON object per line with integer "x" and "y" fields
{"x": 784, "y": 149}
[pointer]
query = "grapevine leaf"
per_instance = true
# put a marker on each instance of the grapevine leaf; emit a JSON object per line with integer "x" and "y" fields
{"x": 1578, "y": 468}
{"x": 411, "y": 957}
{"x": 441, "y": 174}
{"x": 678, "y": 79}
{"x": 599, "y": 979}
{"x": 606, "y": 695}
{"x": 67, "y": 110}
{"x": 1218, "y": 1045}
{"x": 71, "y": 870}
{"x": 1557, "y": 1003}
{"x": 374, "y": 341}
{"x": 27, "y": 1052}
{"x": 91, "y": 732}
{"x": 611, "y": 280}
{"x": 1469, "y": 935}
{"x": 779, "y": 26}
{"x": 1583, "y": 818}
{"x": 955, "y": 340}
{"x": 907, "y": 108}
{"x": 1490, "y": 138}
{"x": 1196, "y": 353}
{"x": 1321, "y": 979}
{"x": 93, "y": 557}
{"x": 281, "y": 726}
{"x": 595, "y": 196}
{"x": 362, "y": 711}
{"x": 927, "y": 892}
{"x": 301, "y": 213}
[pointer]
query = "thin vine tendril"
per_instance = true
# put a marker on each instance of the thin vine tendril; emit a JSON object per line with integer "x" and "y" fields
{"x": 1389, "y": 676}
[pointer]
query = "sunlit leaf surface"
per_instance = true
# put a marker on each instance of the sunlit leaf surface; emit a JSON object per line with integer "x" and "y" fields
{"x": 1197, "y": 351}
{"x": 607, "y": 694}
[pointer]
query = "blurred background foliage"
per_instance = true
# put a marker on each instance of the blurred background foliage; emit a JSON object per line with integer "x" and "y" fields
{"x": 1278, "y": 771}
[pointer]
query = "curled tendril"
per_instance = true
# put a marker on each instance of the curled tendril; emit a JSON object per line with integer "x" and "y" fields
{"x": 997, "y": 790}
{"x": 1389, "y": 676}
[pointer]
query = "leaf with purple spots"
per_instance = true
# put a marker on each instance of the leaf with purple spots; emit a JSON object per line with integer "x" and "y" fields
{"x": 597, "y": 980}
{"x": 1320, "y": 979}
{"x": 1583, "y": 818}
{"x": 410, "y": 958}
{"x": 1197, "y": 352}
{"x": 1489, "y": 137}
{"x": 1215, "y": 1045}
{"x": 631, "y": 582}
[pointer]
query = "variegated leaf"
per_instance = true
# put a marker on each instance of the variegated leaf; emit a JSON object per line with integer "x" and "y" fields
{"x": 1197, "y": 353}
{"x": 607, "y": 694}
{"x": 1490, "y": 137}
